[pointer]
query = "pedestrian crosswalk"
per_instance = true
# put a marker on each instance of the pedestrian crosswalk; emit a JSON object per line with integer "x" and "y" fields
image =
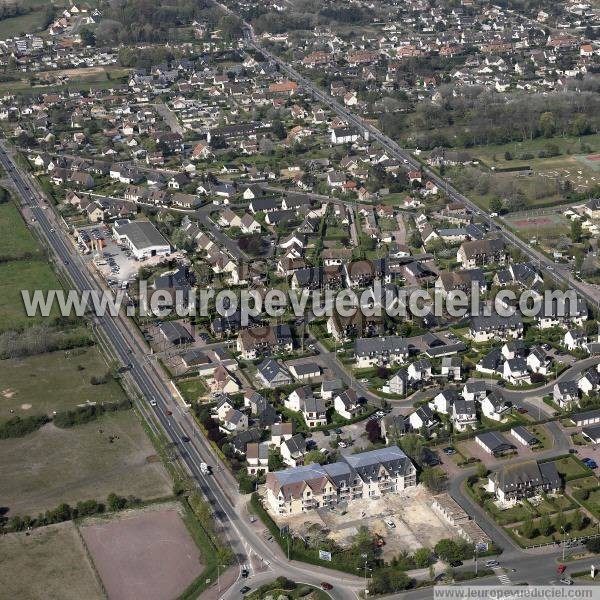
{"x": 503, "y": 577}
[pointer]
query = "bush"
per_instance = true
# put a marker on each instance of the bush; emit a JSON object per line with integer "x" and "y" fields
{"x": 19, "y": 427}
{"x": 86, "y": 414}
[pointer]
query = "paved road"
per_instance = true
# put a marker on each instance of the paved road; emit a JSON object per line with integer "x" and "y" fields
{"x": 220, "y": 489}
{"x": 203, "y": 216}
{"x": 371, "y": 132}
{"x": 170, "y": 118}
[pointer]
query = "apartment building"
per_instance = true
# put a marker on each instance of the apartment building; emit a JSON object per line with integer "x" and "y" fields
{"x": 365, "y": 475}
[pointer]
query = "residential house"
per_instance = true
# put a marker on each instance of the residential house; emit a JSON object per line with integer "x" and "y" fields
{"x": 347, "y": 404}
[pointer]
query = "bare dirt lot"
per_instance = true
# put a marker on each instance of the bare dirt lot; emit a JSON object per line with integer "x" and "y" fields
{"x": 49, "y": 563}
{"x": 52, "y": 465}
{"x": 416, "y": 524}
{"x": 143, "y": 554}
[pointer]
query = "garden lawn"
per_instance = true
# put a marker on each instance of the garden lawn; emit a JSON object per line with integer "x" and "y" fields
{"x": 192, "y": 389}
{"x": 570, "y": 468}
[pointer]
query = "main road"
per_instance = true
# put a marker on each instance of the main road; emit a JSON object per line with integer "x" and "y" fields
{"x": 164, "y": 415}
{"x": 369, "y": 131}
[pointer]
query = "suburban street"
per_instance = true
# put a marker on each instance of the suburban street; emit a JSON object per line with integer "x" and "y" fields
{"x": 589, "y": 293}
{"x": 220, "y": 488}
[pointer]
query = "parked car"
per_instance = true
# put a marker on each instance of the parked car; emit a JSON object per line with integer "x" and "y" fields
{"x": 566, "y": 581}
{"x": 390, "y": 524}
{"x": 245, "y": 590}
{"x": 449, "y": 451}
{"x": 491, "y": 563}
{"x": 326, "y": 586}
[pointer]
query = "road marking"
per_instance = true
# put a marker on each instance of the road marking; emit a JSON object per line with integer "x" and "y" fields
{"x": 503, "y": 577}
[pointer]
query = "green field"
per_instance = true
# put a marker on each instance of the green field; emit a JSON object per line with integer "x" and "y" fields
{"x": 570, "y": 468}
{"x": 54, "y": 381}
{"x": 28, "y": 23}
{"x": 79, "y": 79}
{"x": 192, "y": 389}
{"x": 52, "y": 465}
{"x": 47, "y": 563}
{"x": 15, "y": 239}
{"x": 30, "y": 274}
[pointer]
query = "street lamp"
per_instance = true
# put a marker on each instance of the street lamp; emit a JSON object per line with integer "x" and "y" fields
{"x": 219, "y": 567}
{"x": 565, "y": 535}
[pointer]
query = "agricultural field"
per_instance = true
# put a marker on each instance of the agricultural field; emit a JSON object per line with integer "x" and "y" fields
{"x": 49, "y": 563}
{"x": 53, "y": 465}
{"x": 54, "y": 381}
{"x": 145, "y": 553}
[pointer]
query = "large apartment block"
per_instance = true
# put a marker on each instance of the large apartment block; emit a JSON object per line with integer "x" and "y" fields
{"x": 365, "y": 475}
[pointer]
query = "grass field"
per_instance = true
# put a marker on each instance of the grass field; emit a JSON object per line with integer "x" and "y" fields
{"x": 50, "y": 563}
{"x": 192, "y": 389}
{"x": 54, "y": 465}
{"x": 20, "y": 275}
{"x": 28, "y": 23}
{"x": 494, "y": 155}
{"x": 53, "y": 381}
{"x": 570, "y": 468}
{"x": 15, "y": 239}
{"x": 94, "y": 77}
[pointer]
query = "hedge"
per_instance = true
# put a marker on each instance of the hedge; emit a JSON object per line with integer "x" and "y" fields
{"x": 19, "y": 427}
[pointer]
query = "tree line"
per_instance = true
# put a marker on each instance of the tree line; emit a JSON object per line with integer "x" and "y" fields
{"x": 65, "y": 512}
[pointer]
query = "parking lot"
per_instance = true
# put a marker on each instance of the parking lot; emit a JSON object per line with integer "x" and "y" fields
{"x": 115, "y": 263}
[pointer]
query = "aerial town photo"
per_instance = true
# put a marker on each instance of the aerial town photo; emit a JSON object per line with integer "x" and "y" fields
{"x": 300, "y": 299}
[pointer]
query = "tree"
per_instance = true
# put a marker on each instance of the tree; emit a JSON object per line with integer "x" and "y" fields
{"x": 422, "y": 558}
{"x": 115, "y": 502}
{"x": 527, "y": 528}
{"x": 560, "y": 521}
{"x": 315, "y": 456}
{"x": 389, "y": 580}
{"x": 576, "y": 231}
{"x": 246, "y": 483}
{"x": 482, "y": 471}
{"x": 434, "y": 479}
{"x": 373, "y": 430}
{"x": 577, "y": 520}
{"x": 87, "y": 36}
{"x": 495, "y": 204}
{"x": 545, "y": 526}
{"x": 547, "y": 124}
{"x": 448, "y": 550}
{"x": 593, "y": 545}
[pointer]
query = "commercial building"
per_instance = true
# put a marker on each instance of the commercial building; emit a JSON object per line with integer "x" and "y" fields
{"x": 141, "y": 237}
